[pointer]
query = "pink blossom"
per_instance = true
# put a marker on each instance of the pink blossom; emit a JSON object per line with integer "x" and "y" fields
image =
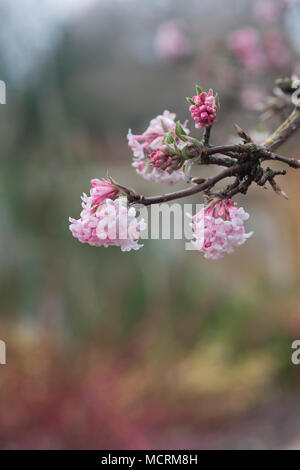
{"x": 171, "y": 42}
{"x": 152, "y": 140}
{"x": 245, "y": 44}
{"x": 156, "y": 175}
{"x": 110, "y": 223}
{"x": 204, "y": 111}
{"x": 276, "y": 49}
{"x": 102, "y": 189}
{"x": 219, "y": 228}
{"x": 161, "y": 160}
{"x": 153, "y": 137}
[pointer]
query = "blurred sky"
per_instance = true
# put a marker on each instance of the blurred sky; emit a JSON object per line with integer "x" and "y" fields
{"x": 31, "y": 28}
{"x": 66, "y": 8}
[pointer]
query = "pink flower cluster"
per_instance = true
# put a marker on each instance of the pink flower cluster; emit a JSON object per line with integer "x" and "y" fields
{"x": 161, "y": 160}
{"x": 171, "y": 42}
{"x": 104, "y": 221}
{"x": 219, "y": 228}
{"x": 255, "y": 49}
{"x": 277, "y": 52}
{"x": 151, "y": 141}
{"x": 204, "y": 109}
{"x": 245, "y": 44}
{"x": 156, "y": 175}
{"x": 103, "y": 189}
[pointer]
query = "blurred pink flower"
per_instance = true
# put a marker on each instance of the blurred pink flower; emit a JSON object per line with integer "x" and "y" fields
{"x": 245, "y": 44}
{"x": 204, "y": 111}
{"x": 276, "y": 49}
{"x": 110, "y": 223}
{"x": 170, "y": 41}
{"x": 102, "y": 189}
{"x": 219, "y": 228}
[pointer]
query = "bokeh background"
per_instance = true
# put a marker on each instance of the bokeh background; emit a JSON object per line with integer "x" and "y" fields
{"x": 158, "y": 348}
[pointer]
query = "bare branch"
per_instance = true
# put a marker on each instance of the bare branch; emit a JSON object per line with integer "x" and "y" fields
{"x": 284, "y": 131}
{"x": 207, "y": 184}
{"x": 292, "y": 162}
{"x": 242, "y": 160}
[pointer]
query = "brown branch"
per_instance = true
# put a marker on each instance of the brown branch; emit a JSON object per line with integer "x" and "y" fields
{"x": 224, "y": 149}
{"x": 292, "y": 162}
{"x": 248, "y": 169}
{"x": 221, "y": 161}
{"x": 284, "y": 131}
{"x": 207, "y": 184}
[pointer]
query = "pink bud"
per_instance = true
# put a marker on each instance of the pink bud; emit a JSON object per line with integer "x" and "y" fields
{"x": 204, "y": 111}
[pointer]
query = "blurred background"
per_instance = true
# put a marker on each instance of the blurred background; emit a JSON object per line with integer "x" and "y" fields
{"x": 158, "y": 348}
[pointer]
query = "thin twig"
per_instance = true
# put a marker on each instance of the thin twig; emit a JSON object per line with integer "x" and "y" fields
{"x": 207, "y": 184}
{"x": 284, "y": 131}
{"x": 292, "y": 162}
{"x": 207, "y": 136}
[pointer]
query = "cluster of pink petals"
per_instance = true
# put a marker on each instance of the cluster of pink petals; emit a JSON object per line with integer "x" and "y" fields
{"x": 103, "y": 189}
{"x": 163, "y": 161}
{"x": 219, "y": 228}
{"x": 156, "y": 175}
{"x": 245, "y": 44}
{"x": 108, "y": 224}
{"x": 204, "y": 111}
{"x": 171, "y": 42}
{"x": 160, "y": 160}
{"x": 153, "y": 139}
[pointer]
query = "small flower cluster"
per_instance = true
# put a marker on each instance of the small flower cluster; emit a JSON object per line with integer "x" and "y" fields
{"x": 105, "y": 221}
{"x": 203, "y": 109}
{"x": 165, "y": 161}
{"x": 103, "y": 189}
{"x": 151, "y": 159}
{"x": 219, "y": 228}
{"x": 159, "y": 155}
